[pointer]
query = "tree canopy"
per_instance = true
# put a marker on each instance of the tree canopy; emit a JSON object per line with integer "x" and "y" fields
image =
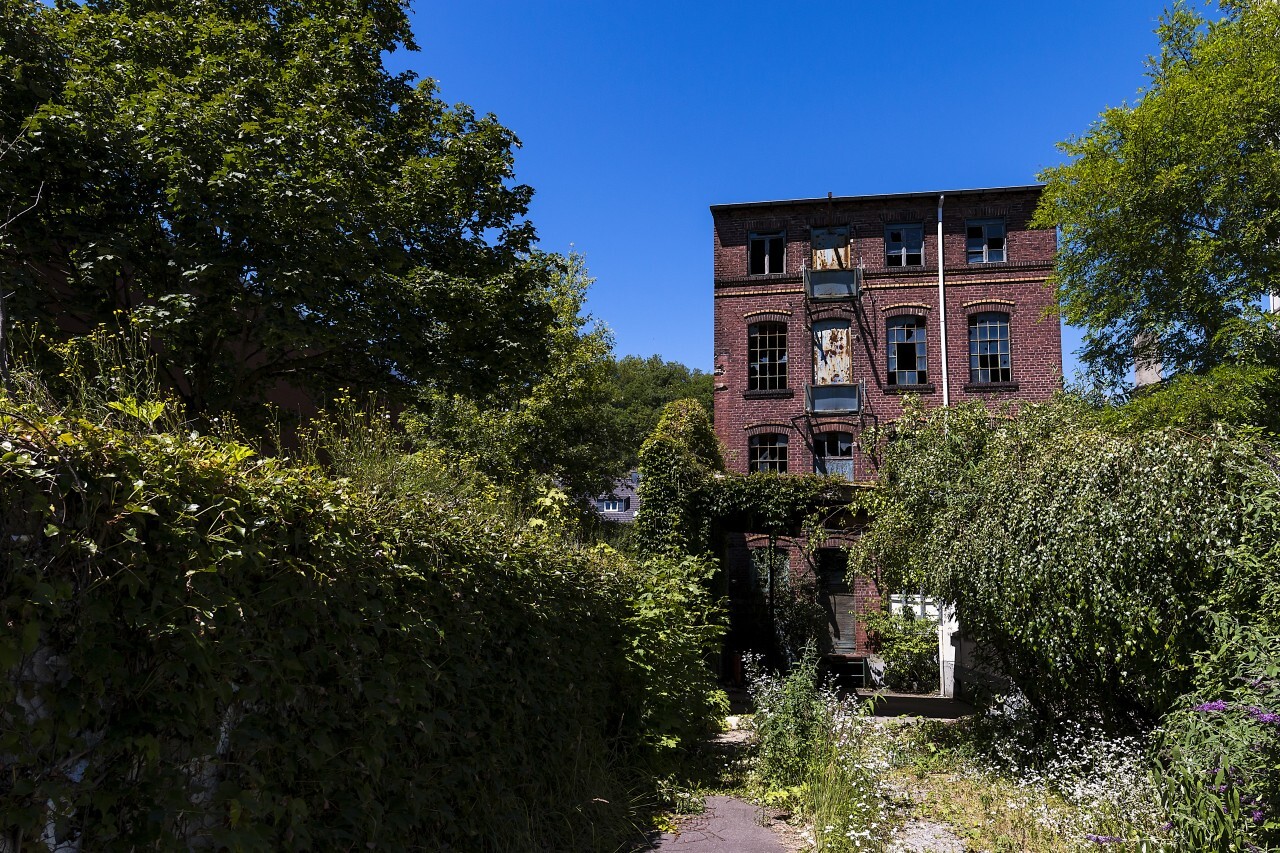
{"x": 249, "y": 185}
{"x": 642, "y": 387}
{"x": 1170, "y": 208}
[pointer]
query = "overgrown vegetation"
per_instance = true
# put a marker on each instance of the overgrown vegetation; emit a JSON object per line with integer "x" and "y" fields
{"x": 1121, "y": 578}
{"x": 817, "y": 756}
{"x": 207, "y": 646}
{"x": 908, "y": 644}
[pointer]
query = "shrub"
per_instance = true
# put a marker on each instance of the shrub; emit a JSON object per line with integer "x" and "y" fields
{"x": 1076, "y": 556}
{"x": 203, "y": 646}
{"x": 909, "y": 647}
{"x": 816, "y": 753}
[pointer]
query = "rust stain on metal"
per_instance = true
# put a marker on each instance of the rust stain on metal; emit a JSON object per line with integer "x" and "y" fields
{"x": 830, "y": 248}
{"x": 832, "y": 352}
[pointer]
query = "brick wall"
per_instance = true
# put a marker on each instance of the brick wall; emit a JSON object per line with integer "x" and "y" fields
{"x": 1016, "y": 286}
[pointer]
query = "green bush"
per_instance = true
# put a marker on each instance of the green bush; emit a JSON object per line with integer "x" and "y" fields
{"x": 1077, "y": 557}
{"x": 909, "y": 647}
{"x": 207, "y": 647}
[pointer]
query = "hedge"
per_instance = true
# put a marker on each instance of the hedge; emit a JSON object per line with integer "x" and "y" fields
{"x": 205, "y": 647}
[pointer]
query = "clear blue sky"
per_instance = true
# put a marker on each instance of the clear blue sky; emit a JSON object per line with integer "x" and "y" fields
{"x": 635, "y": 117}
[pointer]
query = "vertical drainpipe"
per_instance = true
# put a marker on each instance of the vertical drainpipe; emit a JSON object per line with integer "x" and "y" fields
{"x": 946, "y": 623}
{"x": 942, "y": 311}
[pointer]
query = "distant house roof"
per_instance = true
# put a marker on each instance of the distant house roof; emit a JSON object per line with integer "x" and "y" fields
{"x": 621, "y": 503}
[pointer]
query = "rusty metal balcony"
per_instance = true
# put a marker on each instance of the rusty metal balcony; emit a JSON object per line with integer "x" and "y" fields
{"x": 833, "y": 399}
{"x": 832, "y": 284}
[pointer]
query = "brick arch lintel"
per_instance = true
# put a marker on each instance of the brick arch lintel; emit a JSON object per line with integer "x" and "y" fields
{"x": 919, "y": 309}
{"x": 1004, "y": 306}
{"x": 763, "y": 427}
{"x": 781, "y": 315}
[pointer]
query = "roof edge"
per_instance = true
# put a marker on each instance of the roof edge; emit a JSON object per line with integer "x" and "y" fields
{"x": 874, "y": 197}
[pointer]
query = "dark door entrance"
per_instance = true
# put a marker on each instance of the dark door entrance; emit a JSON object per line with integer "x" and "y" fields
{"x": 835, "y": 594}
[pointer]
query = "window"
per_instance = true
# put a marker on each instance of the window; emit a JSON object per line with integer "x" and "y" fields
{"x": 768, "y": 253}
{"x": 985, "y": 241}
{"x": 767, "y": 452}
{"x": 989, "y": 348}
{"x": 904, "y": 246}
{"x": 767, "y": 356}
{"x": 907, "y": 364}
{"x": 614, "y": 504}
{"x": 833, "y": 454}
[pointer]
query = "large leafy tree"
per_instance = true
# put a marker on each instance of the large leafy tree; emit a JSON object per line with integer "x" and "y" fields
{"x": 553, "y": 430}
{"x": 1170, "y": 208}
{"x": 249, "y": 185}
{"x": 642, "y": 387}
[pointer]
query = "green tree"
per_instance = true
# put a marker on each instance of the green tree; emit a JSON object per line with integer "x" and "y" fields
{"x": 1169, "y": 211}
{"x": 555, "y": 427}
{"x": 642, "y": 387}
{"x": 249, "y": 184}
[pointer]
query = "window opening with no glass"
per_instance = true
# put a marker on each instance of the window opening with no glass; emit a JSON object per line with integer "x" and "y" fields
{"x": 907, "y": 351}
{"x": 768, "y": 253}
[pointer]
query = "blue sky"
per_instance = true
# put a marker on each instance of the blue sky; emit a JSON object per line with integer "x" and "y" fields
{"x": 635, "y": 117}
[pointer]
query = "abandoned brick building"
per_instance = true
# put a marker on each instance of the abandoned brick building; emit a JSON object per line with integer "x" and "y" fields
{"x": 828, "y": 311}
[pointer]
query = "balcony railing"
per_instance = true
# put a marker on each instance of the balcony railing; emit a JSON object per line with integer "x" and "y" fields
{"x": 833, "y": 398}
{"x": 833, "y": 284}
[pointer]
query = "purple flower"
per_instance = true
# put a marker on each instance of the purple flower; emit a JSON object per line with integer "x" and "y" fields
{"x": 1217, "y": 705}
{"x": 1263, "y": 716}
{"x": 1102, "y": 839}
{"x": 1167, "y": 826}
{"x": 1256, "y": 815}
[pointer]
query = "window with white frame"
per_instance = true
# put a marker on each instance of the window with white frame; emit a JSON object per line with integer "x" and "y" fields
{"x": 984, "y": 241}
{"x": 767, "y": 452}
{"x": 907, "y": 360}
{"x": 767, "y": 253}
{"x": 614, "y": 504}
{"x": 904, "y": 246}
{"x": 989, "y": 348}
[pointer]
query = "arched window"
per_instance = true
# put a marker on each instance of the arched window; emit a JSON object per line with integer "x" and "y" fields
{"x": 908, "y": 364}
{"x": 767, "y": 452}
{"x": 989, "y": 347}
{"x": 766, "y": 356}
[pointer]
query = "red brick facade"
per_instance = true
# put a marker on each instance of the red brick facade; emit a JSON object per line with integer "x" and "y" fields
{"x": 1014, "y": 286}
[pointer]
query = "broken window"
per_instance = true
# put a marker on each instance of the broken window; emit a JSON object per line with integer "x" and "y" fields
{"x": 904, "y": 246}
{"x": 985, "y": 240}
{"x": 767, "y": 452}
{"x": 766, "y": 356}
{"x": 989, "y": 348}
{"x": 767, "y": 253}
{"x": 833, "y": 454}
{"x": 907, "y": 351}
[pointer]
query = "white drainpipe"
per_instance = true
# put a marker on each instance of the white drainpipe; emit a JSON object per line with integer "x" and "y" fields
{"x": 942, "y": 310}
